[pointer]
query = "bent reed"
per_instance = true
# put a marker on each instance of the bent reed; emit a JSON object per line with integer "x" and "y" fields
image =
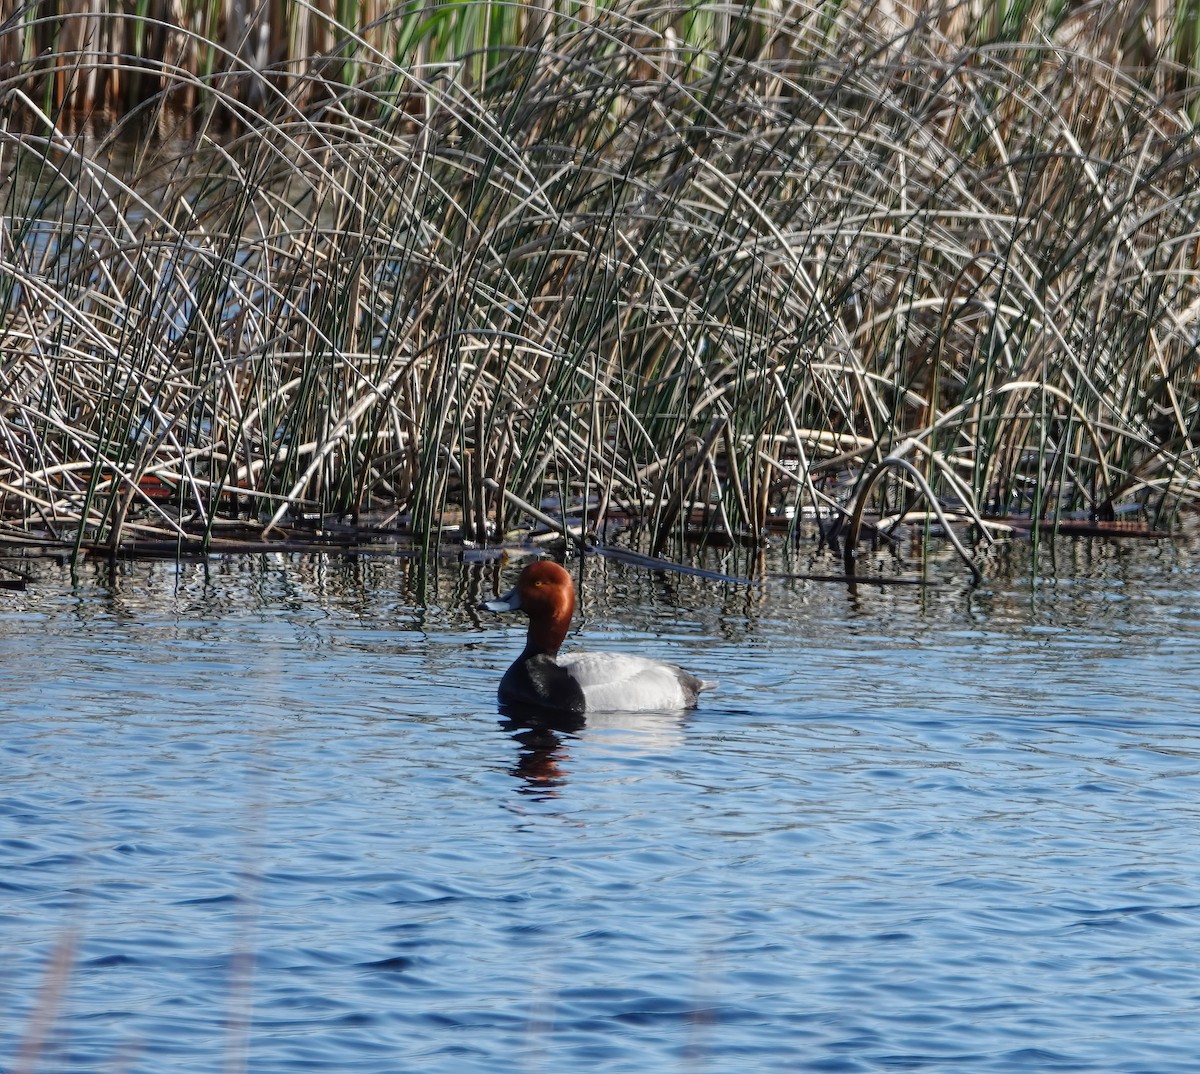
{"x": 712, "y": 269}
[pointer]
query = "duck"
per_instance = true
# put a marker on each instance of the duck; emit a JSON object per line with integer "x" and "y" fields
{"x": 579, "y": 683}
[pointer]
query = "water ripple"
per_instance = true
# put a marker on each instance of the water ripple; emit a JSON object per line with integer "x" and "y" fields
{"x": 270, "y": 811}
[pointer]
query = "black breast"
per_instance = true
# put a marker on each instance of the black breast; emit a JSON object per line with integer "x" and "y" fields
{"x": 536, "y": 680}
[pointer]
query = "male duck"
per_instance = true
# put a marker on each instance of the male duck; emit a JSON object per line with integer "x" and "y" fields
{"x": 580, "y": 682}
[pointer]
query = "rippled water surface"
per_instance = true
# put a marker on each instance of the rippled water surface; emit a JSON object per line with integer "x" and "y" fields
{"x": 264, "y": 815}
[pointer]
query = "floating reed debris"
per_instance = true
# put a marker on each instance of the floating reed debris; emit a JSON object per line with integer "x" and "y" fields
{"x": 698, "y": 268}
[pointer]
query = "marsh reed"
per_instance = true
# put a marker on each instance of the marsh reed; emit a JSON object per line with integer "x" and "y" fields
{"x": 706, "y": 269}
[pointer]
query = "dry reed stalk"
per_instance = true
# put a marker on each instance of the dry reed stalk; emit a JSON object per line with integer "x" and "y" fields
{"x": 715, "y": 268}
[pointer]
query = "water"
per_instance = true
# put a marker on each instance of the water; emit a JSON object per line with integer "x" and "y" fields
{"x": 263, "y": 815}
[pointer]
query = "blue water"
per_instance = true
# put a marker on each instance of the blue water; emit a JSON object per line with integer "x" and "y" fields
{"x": 263, "y": 815}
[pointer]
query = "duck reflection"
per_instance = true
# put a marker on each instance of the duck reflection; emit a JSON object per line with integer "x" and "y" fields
{"x": 540, "y": 760}
{"x": 541, "y": 736}
{"x": 545, "y": 739}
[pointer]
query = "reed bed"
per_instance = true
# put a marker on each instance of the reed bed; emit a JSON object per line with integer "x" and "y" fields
{"x": 716, "y": 271}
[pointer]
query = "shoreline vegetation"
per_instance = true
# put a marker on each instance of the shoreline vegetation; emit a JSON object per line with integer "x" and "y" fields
{"x": 335, "y": 273}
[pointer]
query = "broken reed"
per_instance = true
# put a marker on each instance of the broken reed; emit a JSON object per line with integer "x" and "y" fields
{"x": 699, "y": 266}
